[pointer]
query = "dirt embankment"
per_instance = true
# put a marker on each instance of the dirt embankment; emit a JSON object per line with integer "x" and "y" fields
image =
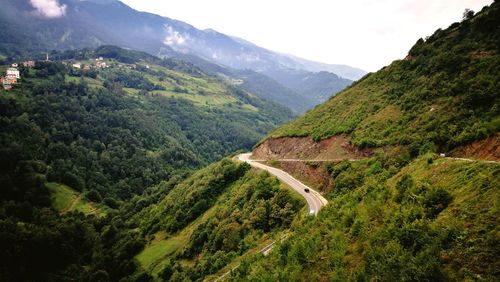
{"x": 487, "y": 149}
{"x": 313, "y": 174}
{"x": 334, "y": 148}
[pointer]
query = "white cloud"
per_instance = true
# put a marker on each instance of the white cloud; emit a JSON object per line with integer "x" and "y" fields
{"x": 49, "y": 8}
{"x": 174, "y": 38}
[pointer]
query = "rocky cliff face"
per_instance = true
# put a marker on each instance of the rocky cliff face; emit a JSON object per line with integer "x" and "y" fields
{"x": 305, "y": 148}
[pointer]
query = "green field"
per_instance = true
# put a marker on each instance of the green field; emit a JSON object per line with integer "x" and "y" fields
{"x": 64, "y": 199}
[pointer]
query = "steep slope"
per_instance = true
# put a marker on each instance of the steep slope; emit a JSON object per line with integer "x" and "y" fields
{"x": 402, "y": 212}
{"x": 270, "y": 89}
{"x": 442, "y": 95}
{"x": 434, "y": 220}
{"x": 93, "y": 23}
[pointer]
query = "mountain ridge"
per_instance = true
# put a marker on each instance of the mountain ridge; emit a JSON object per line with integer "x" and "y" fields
{"x": 442, "y": 94}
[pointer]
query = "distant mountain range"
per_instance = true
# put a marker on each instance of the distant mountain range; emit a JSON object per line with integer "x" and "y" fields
{"x": 89, "y": 23}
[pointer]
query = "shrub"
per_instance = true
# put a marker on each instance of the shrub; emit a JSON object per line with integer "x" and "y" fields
{"x": 110, "y": 202}
{"x": 94, "y": 196}
{"x": 435, "y": 201}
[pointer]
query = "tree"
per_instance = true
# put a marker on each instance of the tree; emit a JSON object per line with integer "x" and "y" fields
{"x": 468, "y": 14}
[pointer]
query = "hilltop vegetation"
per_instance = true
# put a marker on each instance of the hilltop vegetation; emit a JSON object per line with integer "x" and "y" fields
{"x": 443, "y": 94}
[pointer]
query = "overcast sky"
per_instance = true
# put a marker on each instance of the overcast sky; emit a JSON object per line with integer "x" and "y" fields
{"x": 368, "y": 34}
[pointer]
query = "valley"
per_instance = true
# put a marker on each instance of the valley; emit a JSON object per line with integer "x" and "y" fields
{"x": 287, "y": 80}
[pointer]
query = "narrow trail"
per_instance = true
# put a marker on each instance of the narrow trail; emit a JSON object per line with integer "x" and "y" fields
{"x": 265, "y": 251}
{"x": 71, "y": 206}
{"x": 472, "y": 160}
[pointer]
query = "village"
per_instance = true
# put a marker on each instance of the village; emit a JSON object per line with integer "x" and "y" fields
{"x": 13, "y": 75}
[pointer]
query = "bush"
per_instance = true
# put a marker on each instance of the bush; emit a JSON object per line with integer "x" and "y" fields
{"x": 73, "y": 181}
{"x": 99, "y": 276}
{"x": 111, "y": 202}
{"x": 93, "y": 196}
{"x": 435, "y": 201}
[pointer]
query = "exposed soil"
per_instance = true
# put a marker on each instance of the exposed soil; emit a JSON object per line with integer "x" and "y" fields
{"x": 487, "y": 149}
{"x": 312, "y": 174}
{"x": 334, "y": 148}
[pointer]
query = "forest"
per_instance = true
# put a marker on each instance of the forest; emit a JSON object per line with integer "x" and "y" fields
{"x": 108, "y": 136}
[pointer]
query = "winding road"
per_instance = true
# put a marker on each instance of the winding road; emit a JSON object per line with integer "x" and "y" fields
{"x": 314, "y": 200}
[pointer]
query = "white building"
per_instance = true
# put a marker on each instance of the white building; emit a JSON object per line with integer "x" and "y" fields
{"x": 13, "y": 72}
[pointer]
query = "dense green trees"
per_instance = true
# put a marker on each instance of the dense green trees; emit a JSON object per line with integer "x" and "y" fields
{"x": 114, "y": 144}
{"x": 124, "y": 151}
{"x": 253, "y": 204}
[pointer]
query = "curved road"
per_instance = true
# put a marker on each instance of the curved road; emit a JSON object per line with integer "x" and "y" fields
{"x": 314, "y": 200}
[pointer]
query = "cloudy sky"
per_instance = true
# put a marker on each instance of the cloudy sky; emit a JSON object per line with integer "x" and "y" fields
{"x": 363, "y": 33}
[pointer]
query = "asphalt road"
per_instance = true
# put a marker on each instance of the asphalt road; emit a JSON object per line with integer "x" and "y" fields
{"x": 314, "y": 200}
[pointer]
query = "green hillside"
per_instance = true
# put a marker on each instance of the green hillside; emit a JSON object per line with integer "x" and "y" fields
{"x": 121, "y": 129}
{"x": 117, "y": 168}
{"x": 64, "y": 199}
{"x": 432, "y": 220}
{"x": 83, "y": 149}
{"x": 214, "y": 217}
{"x": 444, "y": 93}
{"x": 405, "y": 213}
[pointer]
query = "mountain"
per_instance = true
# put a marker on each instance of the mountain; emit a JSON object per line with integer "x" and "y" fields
{"x": 317, "y": 87}
{"x": 92, "y": 23}
{"x": 265, "y": 60}
{"x": 257, "y": 83}
{"x": 138, "y": 114}
{"x": 443, "y": 95}
{"x": 119, "y": 173}
{"x": 409, "y": 160}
